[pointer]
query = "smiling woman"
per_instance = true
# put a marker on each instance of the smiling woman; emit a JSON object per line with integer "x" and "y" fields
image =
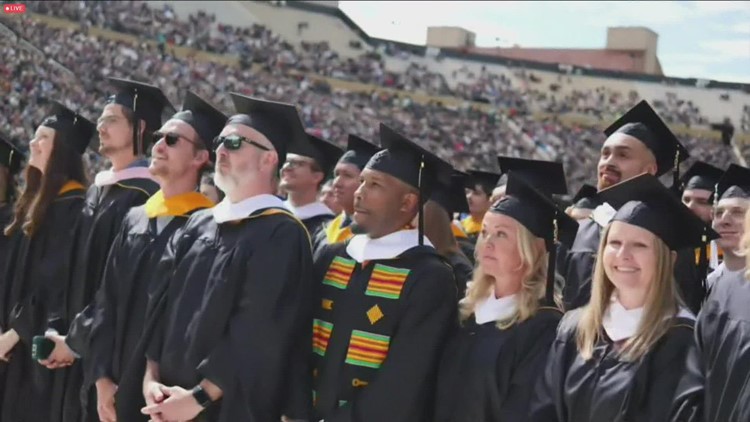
{"x": 620, "y": 356}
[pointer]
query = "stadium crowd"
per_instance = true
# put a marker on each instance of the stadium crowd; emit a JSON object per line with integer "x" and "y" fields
{"x": 465, "y": 135}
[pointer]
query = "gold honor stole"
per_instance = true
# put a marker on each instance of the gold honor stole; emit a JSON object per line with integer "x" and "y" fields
{"x": 69, "y": 186}
{"x": 708, "y": 254}
{"x": 470, "y": 226}
{"x": 176, "y": 206}
{"x": 458, "y": 231}
{"x": 334, "y": 232}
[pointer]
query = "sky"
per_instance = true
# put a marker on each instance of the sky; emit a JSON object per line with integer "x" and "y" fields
{"x": 709, "y": 40}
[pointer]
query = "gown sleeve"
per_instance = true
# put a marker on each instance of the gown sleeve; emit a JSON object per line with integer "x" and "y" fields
{"x": 104, "y": 324}
{"x": 688, "y": 402}
{"x": 403, "y": 387}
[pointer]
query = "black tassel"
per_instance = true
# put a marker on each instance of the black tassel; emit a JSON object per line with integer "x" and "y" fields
{"x": 703, "y": 270}
{"x": 420, "y": 217}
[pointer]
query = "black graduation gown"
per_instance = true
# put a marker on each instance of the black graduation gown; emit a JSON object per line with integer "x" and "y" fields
{"x": 238, "y": 312}
{"x": 378, "y": 334}
{"x": 103, "y": 212}
{"x": 36, "y": 281}
{"x": 488, "y": 374}
{"x": 716, "y": 384}
{"x": 578, "y": 265}
{"x": 120, "y": 304}
{"x": 605, "y": 389}
{"x": 6, "y": 252}
{"x": 463, "y": 270}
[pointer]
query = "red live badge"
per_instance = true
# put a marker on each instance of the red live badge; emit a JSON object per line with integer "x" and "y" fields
{"x": 14, "y": 9}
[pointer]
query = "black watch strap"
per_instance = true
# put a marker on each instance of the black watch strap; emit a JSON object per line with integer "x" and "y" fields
{"x": 200, "y": 395}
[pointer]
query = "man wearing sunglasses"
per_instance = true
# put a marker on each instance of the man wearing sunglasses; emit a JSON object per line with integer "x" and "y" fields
{"x": 302, "y": 177}
{"x": 133, "y": 112}
{"x": 115, "y": 364}
{"x": 233, "y": 341}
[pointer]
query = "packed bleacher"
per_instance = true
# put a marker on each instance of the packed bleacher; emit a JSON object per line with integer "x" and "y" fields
{"x": 467, "y": 136}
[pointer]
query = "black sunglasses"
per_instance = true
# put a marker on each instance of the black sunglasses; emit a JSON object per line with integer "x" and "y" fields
{"x": 170, "y": 138}
{"x": 234, "y": 142}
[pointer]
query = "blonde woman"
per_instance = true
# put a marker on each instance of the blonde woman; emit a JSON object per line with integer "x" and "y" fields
{"x": 620, "y": 357}
{"x": 716, "y": 384}
{"x": 508, "y": 317}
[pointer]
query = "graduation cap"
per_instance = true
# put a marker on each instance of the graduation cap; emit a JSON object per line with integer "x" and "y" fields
{"x": 358, "y": 151}
{"x": 147, "y": 102}
{"x": 535, "y": 210}
{"x": 452, "y": 197}
{"x": 324, "y": 153}
{"x": 645, "y": 202}
{"x": 412, "y": 164}
{"x": 735, "y": 183}
{"x": 586, "y": 198}
{"x": 487, "y": 180}
{"x": 10, "y": 156}
{"x": 72, "y": 128}
{"x": 279, "y": 122}
{"x": 701, "y": 175}
{"x": 642, "y": 123}
{"x": 207, "y": 120}
{"x": 547, "y": 176}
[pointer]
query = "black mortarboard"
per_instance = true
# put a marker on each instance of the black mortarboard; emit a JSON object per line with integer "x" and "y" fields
{"x": 735, "y": 183}
{"x": 147, "y": 102}
{"x": 539, "y": 213}
{"x": 645, "y": 202}
{"x": 642, "y": 123}
{"x": 701, "y": 175}
{"x": 586, "y": 198}
{"x": 358, "y": 151}
{"x": 324, "y": 153}
{"x": 71, "y": 128}
{"x": 547, "y": 176}
{"x": 487, "y": 180}
{"x": 207, "y": 120}
{"x": 279, "y": 122}
{"x": 452, "y": 197}
{"x": 410, "y": 163}
{"x": 10, "y": 156}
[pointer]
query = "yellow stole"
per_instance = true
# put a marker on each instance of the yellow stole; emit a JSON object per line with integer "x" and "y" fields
{"x": 69, "y": 186}
{"x": 708, "y": 254}
{"x": 458, "y": 232}
{"x": 336, "y": 234}
{"x": 179, "y": 205}
{"x": 471, "y": 226}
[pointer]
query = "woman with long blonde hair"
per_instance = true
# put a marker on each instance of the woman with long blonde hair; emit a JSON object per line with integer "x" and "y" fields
{"x": 34, "y": 283}
{"x": 620, "y": 357}
{"x": 716, "y": 384}
{"x": 508, "y": 315}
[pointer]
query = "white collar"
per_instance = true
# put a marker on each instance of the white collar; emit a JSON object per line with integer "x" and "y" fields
{"x": 311, "y": 210}
{"x": 603, "y": 214}
{"x": 621, "y": 324}
{"x": 109, "y": 177}
{"x": 227, "y": 211}
{"x": 495, "y": 309}
{"x": 362, "y": 248}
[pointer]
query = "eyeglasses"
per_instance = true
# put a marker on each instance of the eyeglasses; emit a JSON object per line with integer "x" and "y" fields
{"x": 170, "y": 138}
{"x": 234, "y": 142}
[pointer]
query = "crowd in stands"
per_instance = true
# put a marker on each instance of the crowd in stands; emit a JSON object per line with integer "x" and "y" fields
{"x": 467, "y": 136}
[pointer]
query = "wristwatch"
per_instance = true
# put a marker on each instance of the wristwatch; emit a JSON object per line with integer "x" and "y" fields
{"x": 200, "y": 395}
